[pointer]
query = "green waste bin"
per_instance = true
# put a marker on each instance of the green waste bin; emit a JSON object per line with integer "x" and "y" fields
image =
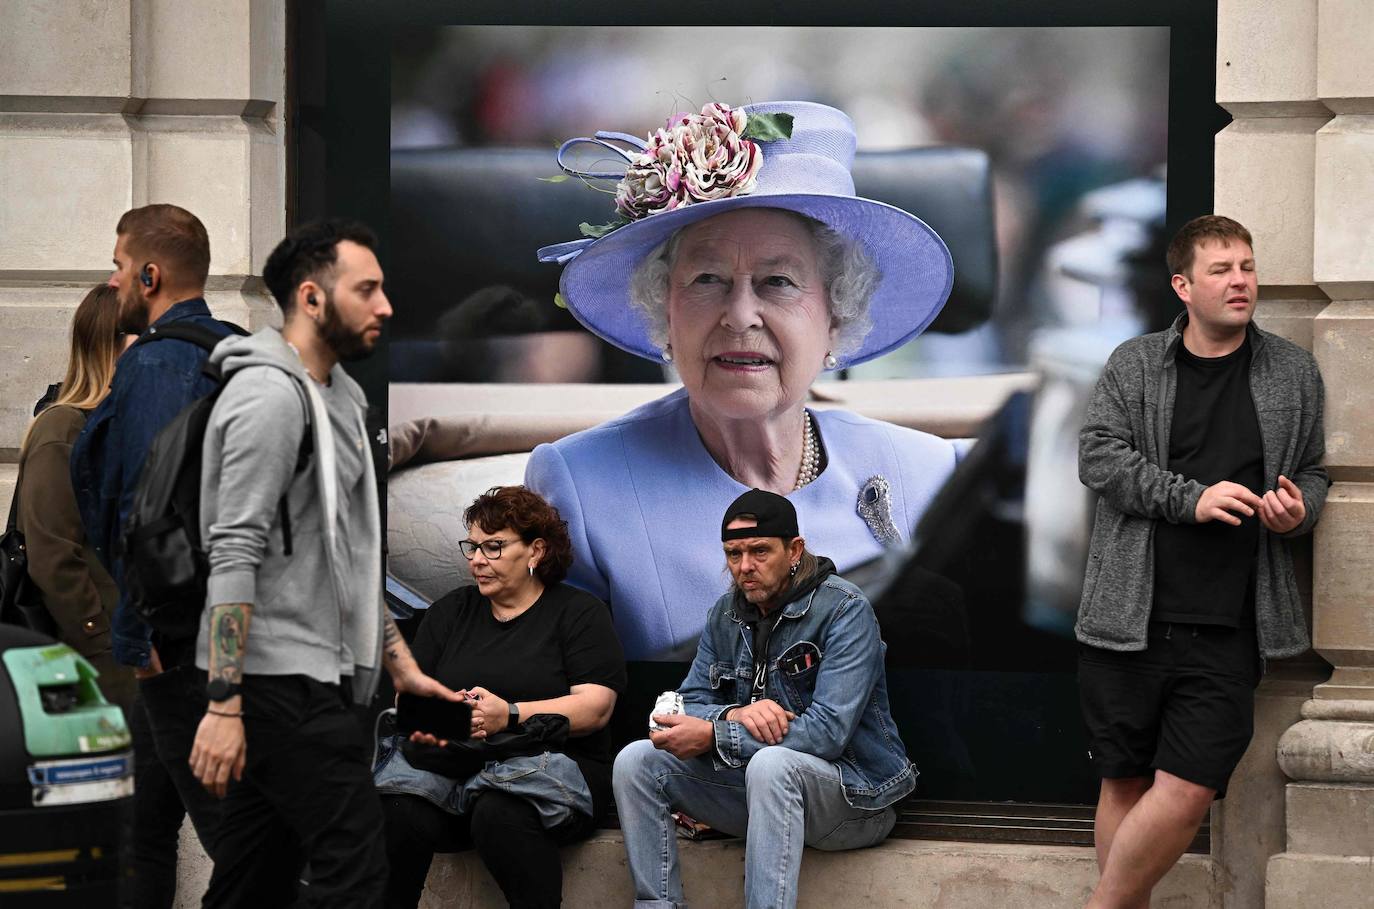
{"x": 66, "y": 777}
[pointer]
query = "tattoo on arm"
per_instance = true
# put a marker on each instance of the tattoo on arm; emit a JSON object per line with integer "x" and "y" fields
{"x": 394, "y": 648}
{"x": 229, "y": 640}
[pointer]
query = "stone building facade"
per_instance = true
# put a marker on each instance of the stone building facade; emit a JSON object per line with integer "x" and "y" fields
{"x": 108, "y": 104}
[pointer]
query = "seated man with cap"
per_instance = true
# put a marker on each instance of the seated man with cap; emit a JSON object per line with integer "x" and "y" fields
{"x": 785, "y": 736}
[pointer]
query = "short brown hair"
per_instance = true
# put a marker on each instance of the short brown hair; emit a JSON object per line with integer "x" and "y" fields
{"x": 530, "y": 516}
{"x": 1199, "y": 231}
{"x": 170, "y": 236}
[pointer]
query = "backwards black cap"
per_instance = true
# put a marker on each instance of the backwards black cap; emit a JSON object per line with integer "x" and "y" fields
{"x": 775, "y": 515}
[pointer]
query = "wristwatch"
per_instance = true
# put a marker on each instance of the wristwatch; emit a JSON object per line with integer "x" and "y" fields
{"x": 513, "y": 718}
{"x": 220, "y": 690}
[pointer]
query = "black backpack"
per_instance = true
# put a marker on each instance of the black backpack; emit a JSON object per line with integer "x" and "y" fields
{"x": 165, "y": 564}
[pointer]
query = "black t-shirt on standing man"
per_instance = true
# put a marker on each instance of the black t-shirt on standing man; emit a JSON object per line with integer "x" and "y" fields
{"x": 1205, "y": 573}
{"x": 566, "y": 638}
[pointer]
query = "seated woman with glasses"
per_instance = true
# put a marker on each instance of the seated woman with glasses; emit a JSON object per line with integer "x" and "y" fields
{"x": 520, "y": 643}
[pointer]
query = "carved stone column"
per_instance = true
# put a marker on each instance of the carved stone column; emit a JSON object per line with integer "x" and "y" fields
{"x": 1329, "y": 754}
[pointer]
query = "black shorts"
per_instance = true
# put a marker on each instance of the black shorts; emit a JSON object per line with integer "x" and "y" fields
{"x": 1184, "y": 705}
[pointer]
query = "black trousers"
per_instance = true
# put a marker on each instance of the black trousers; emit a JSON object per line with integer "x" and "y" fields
{"x": 163, "y": 722}
{"x": 504, "y": 829}
{"x": 306, "y": 797}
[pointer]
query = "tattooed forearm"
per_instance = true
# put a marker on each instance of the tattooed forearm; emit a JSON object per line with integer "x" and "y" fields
{"x": 228, "y": 640}
{"x": 394, "y": 648}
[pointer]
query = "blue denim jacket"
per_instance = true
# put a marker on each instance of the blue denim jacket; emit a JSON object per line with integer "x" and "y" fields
{"x": 152, "y": 383}
{"x": 840, "y": 700}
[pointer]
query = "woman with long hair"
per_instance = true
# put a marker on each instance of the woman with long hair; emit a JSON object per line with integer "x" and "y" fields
{"x": 77, "y": 590}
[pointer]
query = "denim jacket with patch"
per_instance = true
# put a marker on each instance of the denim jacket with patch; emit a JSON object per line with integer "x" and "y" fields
{"x": 824, "y": 664}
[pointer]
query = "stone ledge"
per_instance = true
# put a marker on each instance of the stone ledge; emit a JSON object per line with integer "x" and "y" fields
{"x": 897, "y": 873}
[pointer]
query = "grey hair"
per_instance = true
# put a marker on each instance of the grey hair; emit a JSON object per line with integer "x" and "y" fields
{"x": 850, "y": 276}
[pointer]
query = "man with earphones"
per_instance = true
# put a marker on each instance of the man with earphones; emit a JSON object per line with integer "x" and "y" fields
{"x": 161, "y": 258}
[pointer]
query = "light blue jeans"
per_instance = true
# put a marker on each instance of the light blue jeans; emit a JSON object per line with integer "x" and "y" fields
{"x": 780, "y": 801}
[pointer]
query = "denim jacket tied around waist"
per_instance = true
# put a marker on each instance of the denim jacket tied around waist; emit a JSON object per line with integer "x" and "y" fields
{"x": 824, "y": 664}
{"x": 551, "y": 781}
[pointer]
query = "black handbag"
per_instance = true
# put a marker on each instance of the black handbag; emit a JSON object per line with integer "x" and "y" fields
{"x": 21, "y": 602}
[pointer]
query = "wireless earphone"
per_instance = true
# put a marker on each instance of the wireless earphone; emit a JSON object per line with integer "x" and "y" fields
{"x": 146, "y": 277}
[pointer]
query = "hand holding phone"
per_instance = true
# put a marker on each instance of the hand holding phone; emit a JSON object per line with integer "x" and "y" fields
{"x": 448, "y": 720}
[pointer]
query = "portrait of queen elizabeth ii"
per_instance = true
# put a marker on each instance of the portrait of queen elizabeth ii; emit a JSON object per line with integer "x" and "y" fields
{"x": 739, "y": 254}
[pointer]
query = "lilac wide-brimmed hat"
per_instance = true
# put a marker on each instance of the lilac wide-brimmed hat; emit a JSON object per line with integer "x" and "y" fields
{"x": 792, "y": 155}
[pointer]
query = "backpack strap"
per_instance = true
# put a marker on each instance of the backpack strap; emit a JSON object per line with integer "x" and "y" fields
{"x": 302, "y": 460}
{"x": 196, "y": 333}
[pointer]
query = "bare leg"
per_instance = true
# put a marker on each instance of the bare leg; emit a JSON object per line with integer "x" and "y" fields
{"x": 1117, "y": 798}
{"x": 1150, "y": 840}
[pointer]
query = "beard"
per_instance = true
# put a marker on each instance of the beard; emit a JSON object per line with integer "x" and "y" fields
{"x": 348, "y": 345}
{"x": 133, "y": 310}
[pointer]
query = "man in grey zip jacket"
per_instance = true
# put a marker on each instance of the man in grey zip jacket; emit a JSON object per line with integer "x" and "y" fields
{"x": 1204, "y": 443}
{"x": 295, "y": 627}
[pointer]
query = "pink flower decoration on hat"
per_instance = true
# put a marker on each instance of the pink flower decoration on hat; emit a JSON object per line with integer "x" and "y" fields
{"x": 695, "y": 158}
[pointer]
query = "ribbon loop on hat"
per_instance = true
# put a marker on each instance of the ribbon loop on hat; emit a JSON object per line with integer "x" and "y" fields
{"x": 601, "y": 141}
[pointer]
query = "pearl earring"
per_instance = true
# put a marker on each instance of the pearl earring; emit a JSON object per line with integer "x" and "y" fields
{"x": 667, "y": 353}
{"x": 531, "y": 571}
{"x": 830, "y": 361}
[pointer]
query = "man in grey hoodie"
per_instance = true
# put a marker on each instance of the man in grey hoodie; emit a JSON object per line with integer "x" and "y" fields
{"x": 1204, "y": 443}
{"x": 295, "y": 626}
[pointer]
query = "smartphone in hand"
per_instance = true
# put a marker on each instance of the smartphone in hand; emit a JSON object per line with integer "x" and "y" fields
{"x": 449, "y": 720}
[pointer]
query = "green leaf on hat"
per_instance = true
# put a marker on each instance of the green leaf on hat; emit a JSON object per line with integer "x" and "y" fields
{"x": 559, "y": 301}
{"x": 597, "y": 231}
{"x": 556, "y": 178}
{"x": 767, "y": 127}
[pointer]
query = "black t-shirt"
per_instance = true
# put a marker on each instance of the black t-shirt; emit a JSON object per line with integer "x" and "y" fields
{"x": 566, "y": 638}
{"x": 1205, "y": 573}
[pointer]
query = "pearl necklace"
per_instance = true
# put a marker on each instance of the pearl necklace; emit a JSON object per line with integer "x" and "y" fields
{"x": 811, "y": 453}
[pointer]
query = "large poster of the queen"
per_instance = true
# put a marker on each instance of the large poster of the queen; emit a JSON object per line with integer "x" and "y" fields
{"x": 872, "y": 270}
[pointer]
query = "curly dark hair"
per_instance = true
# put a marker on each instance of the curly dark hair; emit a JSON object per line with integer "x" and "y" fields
{"x": 533, "y": 518}
{"x": 310, "y": 252}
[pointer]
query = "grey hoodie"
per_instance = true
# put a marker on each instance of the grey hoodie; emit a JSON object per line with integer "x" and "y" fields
{"x": 317, "y": 612}
{"x": 1123, "y": 456}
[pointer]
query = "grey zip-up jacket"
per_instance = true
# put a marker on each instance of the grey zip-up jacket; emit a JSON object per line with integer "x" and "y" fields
{"x": 1123, "y": 456}
{"x": 319, "y": 611}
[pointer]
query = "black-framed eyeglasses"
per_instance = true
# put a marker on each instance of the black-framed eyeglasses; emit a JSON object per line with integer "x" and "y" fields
{"x": 490, "y": 548}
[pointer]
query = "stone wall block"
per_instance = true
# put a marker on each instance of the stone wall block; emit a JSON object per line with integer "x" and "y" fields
{"x": 1331, "y": 818}
{"x": 1301, "y": 881}
{"x": 73, "y": 55}
{"x": 228, "y": 171}
{"x": 1291, "y": 319}
{"x": 251, "y": 308}
{"x": 64, "y": 182}
{"x": 1343, "y": 343}
{"x": 1267, "y": 57}
{"x": 1342, "y": 595}
{"x": 210, "y": 56}
{"x": 267, "y": 187}
{"x": 1343, "y": 254}
{"x": 33, "y": 351}
{"x": 202, "y": 164}
{"x": 1345, "y": 66}
{"x": 1264, "y": 181}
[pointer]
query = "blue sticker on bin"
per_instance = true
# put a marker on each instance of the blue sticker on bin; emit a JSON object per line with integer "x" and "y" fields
{"x": 57, "y": 773}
